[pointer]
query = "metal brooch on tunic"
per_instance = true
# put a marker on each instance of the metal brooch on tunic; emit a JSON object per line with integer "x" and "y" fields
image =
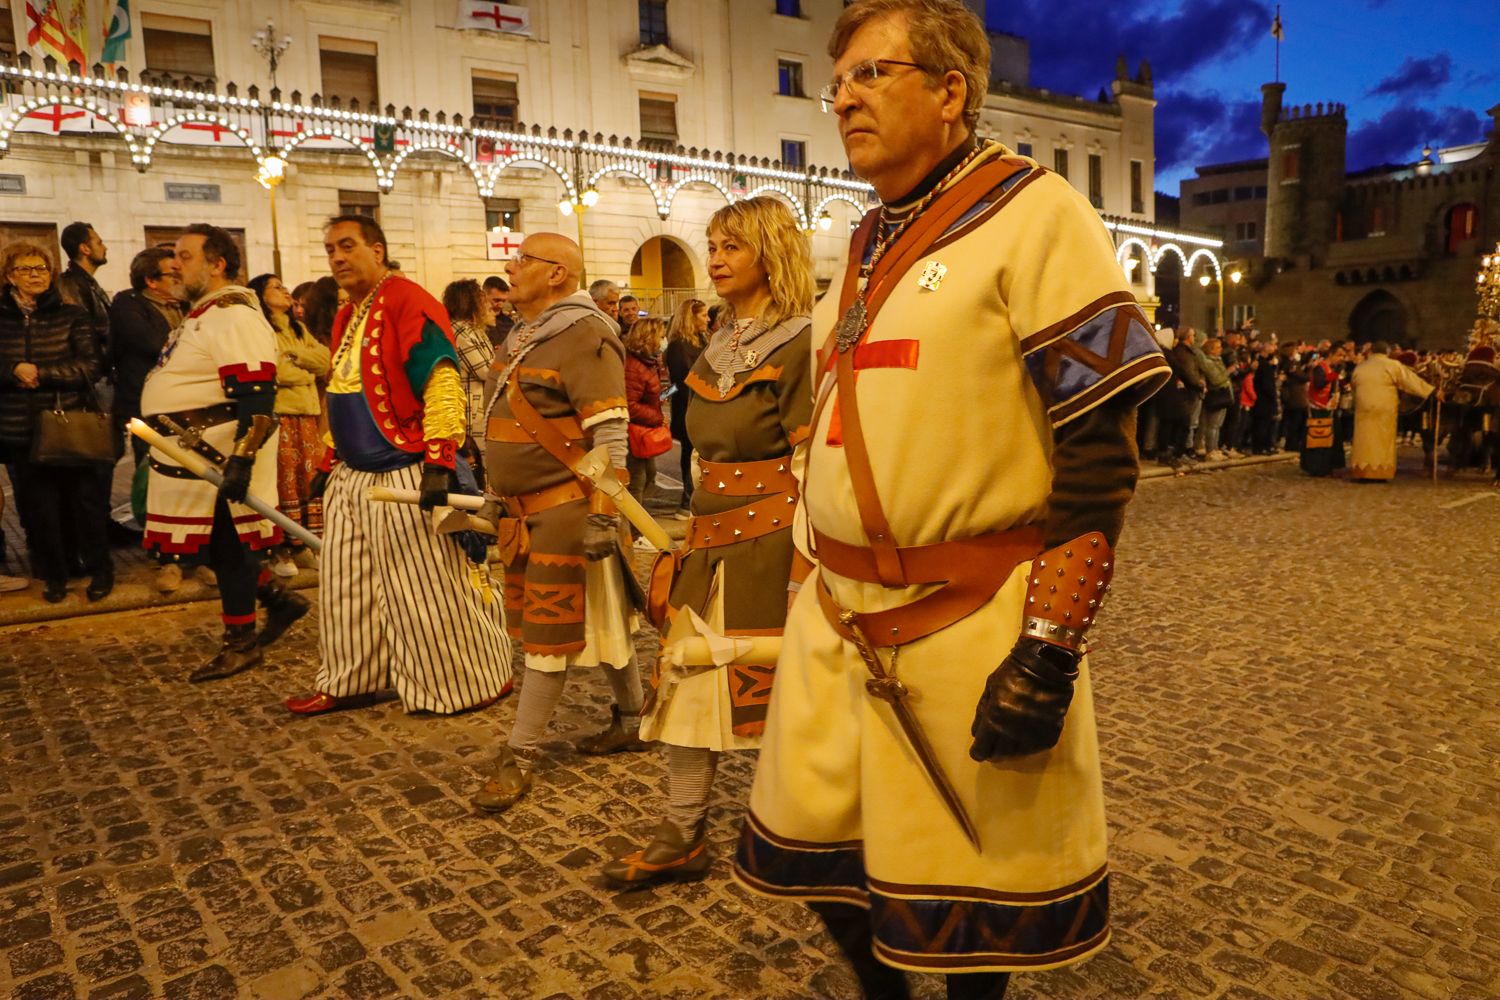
{"x": 852, "y": 326}
{"x": 932, "y": 276}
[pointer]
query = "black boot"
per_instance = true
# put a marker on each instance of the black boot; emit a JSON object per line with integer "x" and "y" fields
{"x": 283, "y": 609}
{"x": 240, "y": 652}
{"x": 102, "y": 583}
{"x": 850, "y": 927}
{"x": 977, "y": 985}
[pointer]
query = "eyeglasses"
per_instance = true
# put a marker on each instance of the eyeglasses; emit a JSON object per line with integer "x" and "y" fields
{"x": 31, "y": 269}
{"x": 522, "y": 259}
{"x": 862, "y": 75}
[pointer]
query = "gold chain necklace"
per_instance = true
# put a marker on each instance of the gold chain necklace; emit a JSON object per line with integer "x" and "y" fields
{"x": 852, "y": 325}
{"x": 360, "y": 312}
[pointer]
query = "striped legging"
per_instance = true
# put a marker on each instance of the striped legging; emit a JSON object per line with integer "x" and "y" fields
{"x": 396, "y": 605}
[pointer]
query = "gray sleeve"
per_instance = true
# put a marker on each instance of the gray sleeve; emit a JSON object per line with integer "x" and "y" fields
{"x": 611, "y": 433}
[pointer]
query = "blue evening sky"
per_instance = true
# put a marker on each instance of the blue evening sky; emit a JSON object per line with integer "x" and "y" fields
{"x": 1409, "y": 71}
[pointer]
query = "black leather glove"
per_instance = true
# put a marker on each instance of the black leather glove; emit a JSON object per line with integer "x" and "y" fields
{"x": 437, "y": 482}
{"x": 318, "y": 485}
{"x": 236, "y": 482}
{"x": 601, "y": 536}
{"x": 1021, "y": 711}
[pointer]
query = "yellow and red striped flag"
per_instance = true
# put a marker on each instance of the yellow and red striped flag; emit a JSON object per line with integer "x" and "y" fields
{"x": 59, "y": 28}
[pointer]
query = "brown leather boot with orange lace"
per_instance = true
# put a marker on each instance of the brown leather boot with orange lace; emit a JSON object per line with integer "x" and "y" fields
{"x": 666, "y": 859}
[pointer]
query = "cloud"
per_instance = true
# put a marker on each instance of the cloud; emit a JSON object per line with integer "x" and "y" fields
{"x": 1198, "y": 128}
{"x": 1177, "y": 43}
{"x": 1415, "y": 76}
{"x": 1399, "y": 135}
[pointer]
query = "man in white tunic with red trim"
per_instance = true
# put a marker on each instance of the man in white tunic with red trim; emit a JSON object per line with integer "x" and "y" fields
{"x": 929, "y": 780}
{"x": 216, "y": 374}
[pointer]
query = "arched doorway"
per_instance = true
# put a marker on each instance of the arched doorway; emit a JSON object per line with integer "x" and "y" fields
{"x": 662, "y": 273}
{"x": 1378, "y": 316}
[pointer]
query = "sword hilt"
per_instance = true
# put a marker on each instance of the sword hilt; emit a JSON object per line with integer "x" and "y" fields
{"x": 887, "y": 688}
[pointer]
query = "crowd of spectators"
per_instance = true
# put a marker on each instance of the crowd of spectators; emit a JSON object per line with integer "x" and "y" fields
{"x": 65, "y": 344}
{"x": 1243, "y": 393}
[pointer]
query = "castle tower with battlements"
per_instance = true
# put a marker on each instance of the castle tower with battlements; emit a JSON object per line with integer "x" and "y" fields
{"x": 1384, "y": 253}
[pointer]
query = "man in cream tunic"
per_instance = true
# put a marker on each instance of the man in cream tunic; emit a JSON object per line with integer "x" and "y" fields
{"x": 1378, "y": 382}
{"x": 998, "y": 385}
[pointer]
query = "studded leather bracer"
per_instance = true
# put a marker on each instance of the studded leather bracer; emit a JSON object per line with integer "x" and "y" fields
{"x": 1067, "y": 586}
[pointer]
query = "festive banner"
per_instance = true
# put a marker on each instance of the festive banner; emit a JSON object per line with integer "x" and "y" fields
{"x": 487, "y": 16}
{"x": 59, "y": 28}
{"x": 116, "y": 31}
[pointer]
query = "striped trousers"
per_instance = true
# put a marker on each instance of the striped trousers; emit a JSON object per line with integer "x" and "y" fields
{"x": 396, "y": 606}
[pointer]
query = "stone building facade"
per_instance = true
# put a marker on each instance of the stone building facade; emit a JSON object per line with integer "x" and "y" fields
{"x": 1382, "y": 254}
{"x": 714, "y": 84}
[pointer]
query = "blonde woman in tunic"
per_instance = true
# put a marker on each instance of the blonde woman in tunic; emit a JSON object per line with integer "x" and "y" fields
{"x": 1378, "y": 382}
{"x": 748, "y": 409}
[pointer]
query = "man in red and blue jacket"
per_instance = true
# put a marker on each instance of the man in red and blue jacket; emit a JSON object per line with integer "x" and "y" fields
{"x": 400, "y": 605}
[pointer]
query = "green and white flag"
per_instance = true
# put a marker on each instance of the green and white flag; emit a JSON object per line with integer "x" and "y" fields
{"x": 117, "y": 14}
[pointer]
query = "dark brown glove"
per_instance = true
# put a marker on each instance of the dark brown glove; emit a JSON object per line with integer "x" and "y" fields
{"x": 601, "y": 536}
{"x": 1024, "y": 702}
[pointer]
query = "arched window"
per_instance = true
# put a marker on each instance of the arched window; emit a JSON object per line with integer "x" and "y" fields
{"x": 1461, "y": 223}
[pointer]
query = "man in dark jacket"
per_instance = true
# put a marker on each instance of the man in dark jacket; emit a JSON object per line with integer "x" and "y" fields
{"x": 140, "y": 319}
{"x": 77, "y": 285}
{"x": 1179, "y": 397}
{"x": 86, "y": 253}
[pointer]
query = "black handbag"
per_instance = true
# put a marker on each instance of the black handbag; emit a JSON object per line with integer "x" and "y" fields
{"x": 73, "y": 437}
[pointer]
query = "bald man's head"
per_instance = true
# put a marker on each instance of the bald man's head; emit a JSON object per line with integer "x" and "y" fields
{"x": 545, "y": 271}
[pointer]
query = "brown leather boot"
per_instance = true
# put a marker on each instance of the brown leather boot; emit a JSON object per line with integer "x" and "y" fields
{"x": 508, "y": 784}
{"x": 239, "y": 652}
{"x": 614, "y": 739}
{"x": 666, "y": 858}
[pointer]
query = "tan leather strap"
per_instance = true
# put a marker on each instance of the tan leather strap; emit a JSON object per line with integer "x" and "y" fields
{"x": 753, "y": 520}
{"x": 508, "y": 430}
{"x": 938, "y": 562}
{"x": 527, "y": 504}
{"x": 748, "y": 479}
{"x": 912, "y": 246}
{"x": 976, "y": 568}
{"x": 542, "y": 431}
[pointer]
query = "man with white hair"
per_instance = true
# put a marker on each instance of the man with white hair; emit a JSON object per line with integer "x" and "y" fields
{"x": 946, "y": 813}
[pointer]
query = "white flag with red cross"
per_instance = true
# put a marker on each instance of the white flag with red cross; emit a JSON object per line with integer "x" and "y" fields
{"x": 487, "y": 16}
{"x": 502, "y": 244}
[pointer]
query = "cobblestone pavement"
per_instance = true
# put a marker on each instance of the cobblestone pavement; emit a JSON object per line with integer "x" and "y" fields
{"x": 1296, "y": 698}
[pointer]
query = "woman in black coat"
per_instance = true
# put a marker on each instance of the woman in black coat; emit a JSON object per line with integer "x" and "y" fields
{"x": 686, "y": 337}
{"x": 49, "y": 358}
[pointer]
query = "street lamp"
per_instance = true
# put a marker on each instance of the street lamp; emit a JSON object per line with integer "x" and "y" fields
{"x": 272, "y": 173}
{"x": 270, "y": 47}
{"x": 1234, "y": 276}
{"x": 570, "y": 206}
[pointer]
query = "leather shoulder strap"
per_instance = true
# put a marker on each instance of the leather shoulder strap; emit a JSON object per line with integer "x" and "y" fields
{"x": 541, "y": 430}
{"x": 910, "y": 248}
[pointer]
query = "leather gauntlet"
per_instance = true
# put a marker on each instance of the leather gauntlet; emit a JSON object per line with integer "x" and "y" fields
{"x": 1025, "y": 702}
{"x": 1067, "y": 586}
{"x": 239, "y": 466}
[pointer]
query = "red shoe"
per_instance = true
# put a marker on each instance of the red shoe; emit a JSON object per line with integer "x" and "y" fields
{"x": 510, "y": 686}
{"x": 318, "y": 703}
